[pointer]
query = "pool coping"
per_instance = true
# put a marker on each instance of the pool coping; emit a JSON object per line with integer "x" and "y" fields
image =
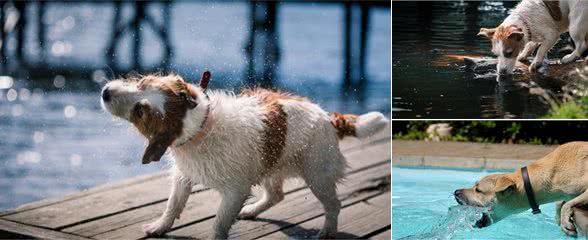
{"x": 465, "y": 155}
{"x": 457, "y": 162}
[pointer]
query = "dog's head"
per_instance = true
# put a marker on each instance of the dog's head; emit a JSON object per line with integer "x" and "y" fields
{"x": 507, "y": 43}
{"x": 498, "y": 192}
{"x": 157, "y": 106}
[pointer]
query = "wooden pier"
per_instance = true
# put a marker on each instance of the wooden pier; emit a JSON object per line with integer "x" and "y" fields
{"x": 117, "y": 211}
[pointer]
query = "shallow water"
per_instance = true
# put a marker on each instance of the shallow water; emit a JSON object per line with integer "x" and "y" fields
{"x": 421, "y": 198}
{"x": 425, "y": 85}
{"x": 55, "y": 138}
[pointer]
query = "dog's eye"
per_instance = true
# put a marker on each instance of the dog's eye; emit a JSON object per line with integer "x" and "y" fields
{"x": 478, "y": 190}
{"x": 508, "y": 53}
{"x": 138, "y": 110}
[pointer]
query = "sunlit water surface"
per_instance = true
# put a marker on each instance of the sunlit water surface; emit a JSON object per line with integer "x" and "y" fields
{"x": 56, "y": 139}
{"x": 421, "y": 198}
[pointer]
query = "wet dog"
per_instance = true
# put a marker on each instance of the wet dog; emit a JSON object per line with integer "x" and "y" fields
{"x": 231, "y": 143}
{"x": 562, "y": 175}
{"x": 537, "y": 24}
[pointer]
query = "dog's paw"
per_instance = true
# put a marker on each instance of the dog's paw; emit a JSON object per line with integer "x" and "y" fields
{"x": 325, "y": 234}
{"x": 567, "y": 226}
{"x": 220, "y": 236}
{"x": 157, "y": 228}
{"x": 248, "y": 212}
{"x": 569, "y": 58}
{"x": 522, "y": 58}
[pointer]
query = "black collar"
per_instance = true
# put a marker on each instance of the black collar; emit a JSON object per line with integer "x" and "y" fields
{"x": 529, "y": 191}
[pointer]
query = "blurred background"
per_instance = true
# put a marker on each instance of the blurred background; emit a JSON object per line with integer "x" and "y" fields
{"x": 508, "y": 132}
{"x": 55, "y": 57}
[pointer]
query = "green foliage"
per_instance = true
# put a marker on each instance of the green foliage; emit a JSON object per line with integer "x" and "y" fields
{"x": 570, "y": 110}
{"x": 526, "y": 132}
{"x": 575, "y": 104}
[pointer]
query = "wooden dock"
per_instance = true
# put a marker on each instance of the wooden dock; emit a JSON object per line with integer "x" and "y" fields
{"x": 118, "y": 210}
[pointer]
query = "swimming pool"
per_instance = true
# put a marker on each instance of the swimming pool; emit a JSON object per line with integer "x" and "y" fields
{"x": 421, "y": 198}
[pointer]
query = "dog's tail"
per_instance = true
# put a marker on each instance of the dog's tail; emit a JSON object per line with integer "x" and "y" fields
{"x": 361, "y": 126}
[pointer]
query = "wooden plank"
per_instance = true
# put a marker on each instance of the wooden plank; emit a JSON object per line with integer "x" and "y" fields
{"x": 8, "y": 228}
{"x": 355, "y": 221}
{"x": 73, "y": 196}
{"x": 128, "y": 224}
{"x": 386, "y": 235}
{"x": 87, "y": 207}
{"x": 296, "y": 207}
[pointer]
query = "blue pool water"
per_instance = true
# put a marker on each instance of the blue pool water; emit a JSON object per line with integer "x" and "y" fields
{"x": 421, "y": 199}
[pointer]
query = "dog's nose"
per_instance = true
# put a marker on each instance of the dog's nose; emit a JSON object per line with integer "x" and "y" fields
{"x": 105, "y": 94}
{"x": 457, "y": 192}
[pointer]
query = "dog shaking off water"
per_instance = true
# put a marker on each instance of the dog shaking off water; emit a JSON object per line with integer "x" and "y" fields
{"x": 230, "y": 143}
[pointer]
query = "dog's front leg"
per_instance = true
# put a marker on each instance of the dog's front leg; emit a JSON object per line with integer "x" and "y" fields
{"x": 181, "y": 188}
{"x": 558, "y": 206}
{"x": 567, "y": 226}
{"x": 546, "y": 45}
{"x": 528, "y": 50}
{"x": 231, "y": 204}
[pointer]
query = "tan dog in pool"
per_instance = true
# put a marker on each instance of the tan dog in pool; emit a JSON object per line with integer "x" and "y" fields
{"x": 562, "y": 175}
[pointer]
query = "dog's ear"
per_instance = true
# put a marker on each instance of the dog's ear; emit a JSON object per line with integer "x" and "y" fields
{"x": 487, "y": 32}
{"x": 517, "y": 35}
{"x": 156, "y": 148}
{"x": 204, "y": 80}
{"x": 504, "y": 185}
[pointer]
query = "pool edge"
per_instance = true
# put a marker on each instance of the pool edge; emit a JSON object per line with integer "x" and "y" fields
{"x": 457, "y": 162}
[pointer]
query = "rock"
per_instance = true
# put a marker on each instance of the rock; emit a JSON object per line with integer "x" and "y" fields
{"x": 550, "y": 69}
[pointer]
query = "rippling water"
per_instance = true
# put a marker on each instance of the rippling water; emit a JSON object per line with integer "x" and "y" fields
{"x": 421, "y": 198}
{"x": 426, "y": 85}
{"x": 55, "y": 139}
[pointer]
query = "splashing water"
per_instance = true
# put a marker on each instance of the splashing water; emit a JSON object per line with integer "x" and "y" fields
{"x": 459, "y": 218}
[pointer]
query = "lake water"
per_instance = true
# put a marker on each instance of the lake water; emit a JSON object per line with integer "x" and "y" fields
{"x": 426, "y": 85}
{"x": 55, "y": 138}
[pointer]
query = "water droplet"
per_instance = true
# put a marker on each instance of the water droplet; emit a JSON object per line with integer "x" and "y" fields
{"x": 37, "y": 95}
{"x": 38, "y": 137}
{"x": 99, "y": 76}
{"x": 6, "y": 82}
{"x": 24, "y": 94}
{"x": 68, "y": 23}
{"x": 75, "y": 160}
{"x": 11, "y": 95}
{"x": 28, "y": 157}
{"x": 59, "y": 81}
{"x": 69, "y": 111}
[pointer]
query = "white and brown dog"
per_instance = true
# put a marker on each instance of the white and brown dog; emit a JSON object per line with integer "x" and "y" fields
{"x": 231, "y": 143}
{"x": 537, "y": 23}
